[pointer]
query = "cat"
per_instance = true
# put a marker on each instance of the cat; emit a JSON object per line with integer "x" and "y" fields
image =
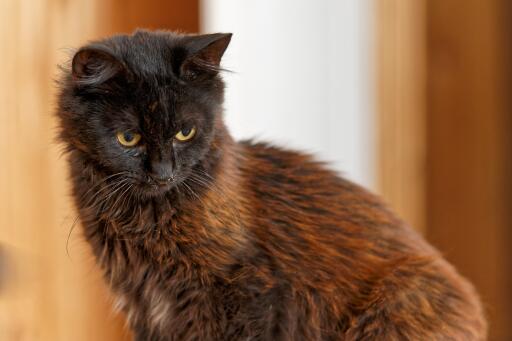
{"x": 201, "y": 237}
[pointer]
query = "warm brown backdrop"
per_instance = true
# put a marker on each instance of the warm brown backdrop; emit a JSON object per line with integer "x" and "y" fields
{"x": 51, "y": 295}
{"x": 469, "y": 195}
{"x": 401, "y": 64}
{"x": 445, "y": 140}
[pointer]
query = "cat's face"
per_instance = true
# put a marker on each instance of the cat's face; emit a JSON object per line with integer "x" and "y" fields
{"x": 145, "y": 107}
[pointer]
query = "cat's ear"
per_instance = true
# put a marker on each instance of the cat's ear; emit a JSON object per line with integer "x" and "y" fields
{"x": 205, "y": 53}
{"x": 95, "y": 66}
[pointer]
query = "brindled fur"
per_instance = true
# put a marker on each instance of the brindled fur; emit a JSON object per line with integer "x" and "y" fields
{"x": 263, "y": 244}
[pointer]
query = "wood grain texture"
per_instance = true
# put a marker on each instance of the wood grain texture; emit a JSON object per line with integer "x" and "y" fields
{"x": 400, "y": 60}
{"x": 444, "y": 81}
{"x": 49, "y": 295}
{"x": 468, "y": 193}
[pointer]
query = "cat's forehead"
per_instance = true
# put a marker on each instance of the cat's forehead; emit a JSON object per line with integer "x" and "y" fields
{"x": 159, "y": 115}
{"x": 148, "y": 54}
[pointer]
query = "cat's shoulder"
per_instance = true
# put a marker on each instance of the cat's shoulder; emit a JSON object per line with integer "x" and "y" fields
{"x": 268, "y": 154}
{"x": 285, "y": 172}
{"x": 289, "y": 164}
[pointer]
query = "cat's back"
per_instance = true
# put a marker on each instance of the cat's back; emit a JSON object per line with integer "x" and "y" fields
{"x": 296, "y": 184}
{"x": 338, "y": 245}
{"x": 308, "y": 207}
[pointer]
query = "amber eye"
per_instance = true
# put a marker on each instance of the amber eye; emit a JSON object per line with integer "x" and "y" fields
{"x": 128, "y": 139}
{"x": 186, "y": 134}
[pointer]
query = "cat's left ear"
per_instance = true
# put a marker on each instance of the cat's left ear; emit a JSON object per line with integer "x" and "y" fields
{"x": 95, "y": 66}
{"x": 204, "y": 53}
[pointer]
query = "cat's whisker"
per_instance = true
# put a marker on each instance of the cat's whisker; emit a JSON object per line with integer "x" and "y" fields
{"x": 102, "y": 182}
{"x": 75, "y": 221}
{"x": 201, "y": 181}
{"x": 127, "y": 200}
{"x": 208, "y": 185}
{"x": 104, "y": 202}
{"x": 194, "y": 193}
{"x": 187, "y": 187}
{"x": 69, "y": 234}
{"x": 206, "y": 174}
{"x": 118, "y": 209}
{"x": 105, "y": 189}
{"x": 93, "y": 205}
{"x": 97, "y": 205}
{"x": 121, "y": 184}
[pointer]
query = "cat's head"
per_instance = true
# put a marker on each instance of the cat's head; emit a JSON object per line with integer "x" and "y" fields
{"x": 146, "y": 105}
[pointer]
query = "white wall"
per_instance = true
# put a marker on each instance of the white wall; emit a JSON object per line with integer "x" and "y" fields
{"x": 302, "y": 76}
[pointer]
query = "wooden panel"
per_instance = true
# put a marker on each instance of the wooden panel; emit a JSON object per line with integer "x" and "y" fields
{"x": 400, "y": 52}
{"x": 468, "y": 192}
{"x": 444, "y": 104}
{"x": 127, "y": 15}
{"x": 46, "y": 294}
{"x": 49, "y": 296}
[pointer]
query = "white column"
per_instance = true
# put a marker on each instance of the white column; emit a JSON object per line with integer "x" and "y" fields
{"x": 301, "y": 76}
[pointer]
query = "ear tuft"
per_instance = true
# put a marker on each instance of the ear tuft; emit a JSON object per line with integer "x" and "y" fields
{"x": 205, "y": 53}
{"x": 94, "y": 66}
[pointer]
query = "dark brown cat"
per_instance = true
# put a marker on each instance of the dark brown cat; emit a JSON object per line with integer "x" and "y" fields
{"x": 204, "y": 238}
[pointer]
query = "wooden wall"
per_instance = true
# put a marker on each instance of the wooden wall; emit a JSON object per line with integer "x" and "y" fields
{"x": 400, "y": 64}
{"x": 445, "y": 143}
{"x": 469, "y": 194}
{"x": 46, "y": 294}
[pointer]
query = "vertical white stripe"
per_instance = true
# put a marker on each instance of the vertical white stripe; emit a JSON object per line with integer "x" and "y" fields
{"x": 302, "y": 76}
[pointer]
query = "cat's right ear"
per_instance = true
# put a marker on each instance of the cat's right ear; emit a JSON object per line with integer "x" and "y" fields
{"x": 93, "y": 66}
{"x": 204, "y": 54}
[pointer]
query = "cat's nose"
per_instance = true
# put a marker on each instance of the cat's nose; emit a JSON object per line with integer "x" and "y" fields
{"x": 162, "y": 172}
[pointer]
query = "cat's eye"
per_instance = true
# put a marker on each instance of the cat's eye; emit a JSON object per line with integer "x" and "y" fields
{"x": 128, "y": 139}
{"x": 186, "y": 134}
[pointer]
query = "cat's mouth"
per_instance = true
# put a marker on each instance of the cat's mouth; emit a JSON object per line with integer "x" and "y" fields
{"x": 152, "y": 187}
{"x": 155, "y": 187}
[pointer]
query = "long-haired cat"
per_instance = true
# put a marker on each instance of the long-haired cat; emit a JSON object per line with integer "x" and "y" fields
{"x": 205, "y": 238}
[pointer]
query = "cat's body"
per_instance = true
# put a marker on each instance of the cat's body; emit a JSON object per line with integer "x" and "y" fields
{"x": 255, "y": 242}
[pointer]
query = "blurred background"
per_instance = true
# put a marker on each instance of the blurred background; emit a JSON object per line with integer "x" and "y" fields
{"x": 409, "y": 98}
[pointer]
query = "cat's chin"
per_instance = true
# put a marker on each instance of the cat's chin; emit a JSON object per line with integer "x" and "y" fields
{"x": 152, "y": 190}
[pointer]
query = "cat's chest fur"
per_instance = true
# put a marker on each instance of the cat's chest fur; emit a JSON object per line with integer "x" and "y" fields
{"x": 171, "y": 301}
{"x": 162, "y": 265}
